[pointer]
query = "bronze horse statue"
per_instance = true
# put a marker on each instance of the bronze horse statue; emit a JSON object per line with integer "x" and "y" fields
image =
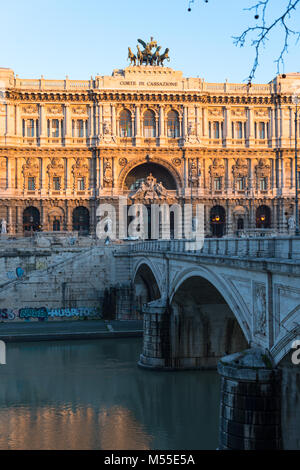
{"x": 131, "y": 57}
{"x": 146, "y": 56}
{"x": 164, "y": 56}
{"x": 155, "y": 56}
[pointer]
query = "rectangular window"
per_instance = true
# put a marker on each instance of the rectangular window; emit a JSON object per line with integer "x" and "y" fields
{"x": 31, "y": 183}
{"x": 218, "y": 183}
{"x": 80, "y": 124}
{"x": 240, "y": 184}
{"x": 56, "y": 183}
{"x": 263, "y": 184}
{"x": 216, "y": 130}
{"x": 262, "y": 130}
{"x": 80, "y": 184}
{"x": 55, "y": 128}
{"x": 239, "y": 126}
{"x": 30, "y": 127}
{"x": 298, "y": 179}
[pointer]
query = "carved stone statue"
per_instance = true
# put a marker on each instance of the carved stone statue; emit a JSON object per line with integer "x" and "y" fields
{"x": 291, "y": 223}
{"x": 150, "y": 190}
{"x": 107, "y": 137}
{"x": 3, "y": 226}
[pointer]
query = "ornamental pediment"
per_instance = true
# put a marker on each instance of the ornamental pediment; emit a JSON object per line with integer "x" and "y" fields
{"x": 261, "y": 112}
{"x": 79, "y": 110}
{"x": 239, "y": 112}
{"x": 30, "y": 109}
{"x": 215, "y": 112}
{"x": 54, "y": 110}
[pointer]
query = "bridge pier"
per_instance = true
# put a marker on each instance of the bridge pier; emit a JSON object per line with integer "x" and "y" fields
{"x": 250, "y": 414}
{"x": 156, "y": 343}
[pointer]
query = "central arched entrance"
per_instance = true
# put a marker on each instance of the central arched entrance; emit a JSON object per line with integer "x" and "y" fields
{"x": 151, "y": 182}
{"x": 139, "y": 174}
{"x": 203, "y": 328}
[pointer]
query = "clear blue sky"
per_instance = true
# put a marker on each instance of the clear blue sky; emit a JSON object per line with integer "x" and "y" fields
{"x": 81, "y": 38}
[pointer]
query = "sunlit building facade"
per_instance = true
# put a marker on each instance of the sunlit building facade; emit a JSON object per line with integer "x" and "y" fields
{"x": 67, "y": 146}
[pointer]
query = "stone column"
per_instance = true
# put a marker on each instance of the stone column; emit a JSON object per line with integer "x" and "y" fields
{"x": 250, "y": 402}
{"x": 205, "y": 124}
{"x": 137, "y": 138}
{"x": 161, "y": 126}
{"x": 184, "y": 121}
{"x": 42, "y": 124}
{"x": 251, "y": 136}
{"x": 67, "y": 124}
{"x": 113, "y": 121}
{"x": 18, "y": 122}
{"x": 156, "y": 342}
{"x": 10, "y": 227}
{"x": 227, "y": 124}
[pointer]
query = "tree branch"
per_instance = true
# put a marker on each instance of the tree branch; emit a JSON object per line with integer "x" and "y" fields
{"x": 259, "y": 34}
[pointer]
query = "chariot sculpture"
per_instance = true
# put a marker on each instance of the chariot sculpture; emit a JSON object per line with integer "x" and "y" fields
{"x": 150, "y": 55}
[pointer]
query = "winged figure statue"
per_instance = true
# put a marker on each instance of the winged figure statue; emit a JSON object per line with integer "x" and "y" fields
{"x": 146, "y": 55}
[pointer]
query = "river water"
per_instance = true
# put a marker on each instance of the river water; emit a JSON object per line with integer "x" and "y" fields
{"x": 92, "y": 395}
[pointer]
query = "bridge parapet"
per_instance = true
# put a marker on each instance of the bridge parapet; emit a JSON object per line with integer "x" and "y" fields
{"x": 280, "y": 248}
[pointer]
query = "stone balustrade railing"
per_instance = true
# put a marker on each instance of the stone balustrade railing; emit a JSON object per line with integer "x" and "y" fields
{"x": 284, "y": 248}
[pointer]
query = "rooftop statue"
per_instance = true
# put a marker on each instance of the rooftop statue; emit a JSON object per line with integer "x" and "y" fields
{"x": 147, "y": 56}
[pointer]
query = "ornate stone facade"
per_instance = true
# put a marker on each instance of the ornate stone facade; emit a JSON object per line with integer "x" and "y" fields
{"x": 68, "y": 145}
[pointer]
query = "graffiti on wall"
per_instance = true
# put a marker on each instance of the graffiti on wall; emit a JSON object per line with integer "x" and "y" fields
{"x": 43, "y": 313}
{"x": 30, "y": 312}
{"x": 7, "y": 314}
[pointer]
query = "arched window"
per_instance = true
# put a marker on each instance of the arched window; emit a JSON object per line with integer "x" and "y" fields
{"x": 81, "y": 220}
{"x": 125, "y": 124}
{"x": 149, "y": 124}
{"x": 217, "y": 221}
{"x": 173, "y": 125}
{"x": 31, "y": 219}
{"x": 263, "y": 217}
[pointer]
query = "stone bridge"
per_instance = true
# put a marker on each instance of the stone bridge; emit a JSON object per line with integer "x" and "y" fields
{"x": 201, "y": 305}
{"x": 234, "y": 304}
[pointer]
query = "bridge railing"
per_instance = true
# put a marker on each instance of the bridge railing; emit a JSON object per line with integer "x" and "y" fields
{"x": 280, "y": 248}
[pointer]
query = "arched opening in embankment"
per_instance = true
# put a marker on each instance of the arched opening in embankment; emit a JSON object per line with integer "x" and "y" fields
{"x": 203, "y": 327}
{"x": 145, "y": 288}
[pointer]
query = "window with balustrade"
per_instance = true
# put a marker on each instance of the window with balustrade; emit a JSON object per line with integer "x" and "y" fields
{"x": 30, "y": 127}
{"x": 125, "y": 124}
{"x": 149, "y": 124}
{"x": 54, "y": 128}
{"x": 261, "y": 130}
{"x": 31, "y": 183}
{"x": 215, "y": 129}
{"x": 79, "y": 128}
{"x": 173, "y": 125}
{"x": 238, "y": 130}
{"x": 263, "y": 183}
{"x": 218, "y": 183}
{"x": 241, "y": 183}
{"x": 56, "y": 183}
{"x": 80, "y": 184}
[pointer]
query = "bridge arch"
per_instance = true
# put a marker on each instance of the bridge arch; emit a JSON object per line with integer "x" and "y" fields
{"x": 146, "y": 282}
{"x": 207, "y": 321}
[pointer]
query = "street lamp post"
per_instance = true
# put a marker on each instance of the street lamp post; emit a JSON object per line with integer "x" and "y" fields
{"x": 296, "y": 101}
